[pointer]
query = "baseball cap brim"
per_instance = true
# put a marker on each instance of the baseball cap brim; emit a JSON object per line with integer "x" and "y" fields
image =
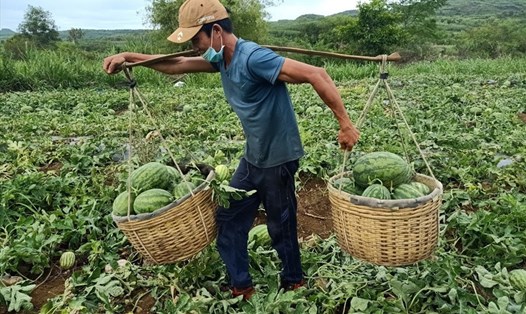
{"x": 183, "y": 34}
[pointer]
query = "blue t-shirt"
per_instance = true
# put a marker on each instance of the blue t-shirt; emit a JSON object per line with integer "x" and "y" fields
{"x": 262, "y": 103}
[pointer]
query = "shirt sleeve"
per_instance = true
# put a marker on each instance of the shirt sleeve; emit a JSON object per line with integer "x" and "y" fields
{"x": 265, "y": 64}
{"x": 215, "y": 65}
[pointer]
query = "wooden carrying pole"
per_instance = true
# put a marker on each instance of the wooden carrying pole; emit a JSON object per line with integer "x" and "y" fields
{"x": 392, "y": 57}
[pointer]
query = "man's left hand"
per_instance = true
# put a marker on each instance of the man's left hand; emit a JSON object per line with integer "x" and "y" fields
{"x": 348, "y": 137}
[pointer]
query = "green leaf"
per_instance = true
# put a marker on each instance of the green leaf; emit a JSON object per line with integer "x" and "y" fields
{"x": 17, "y": 296}
{"x": 453, "y": 294}
{"x": 359, "y": 304}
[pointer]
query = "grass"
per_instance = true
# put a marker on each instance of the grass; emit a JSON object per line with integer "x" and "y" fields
{"x": 465, "y": 128}
{"x": 57, "y": 69}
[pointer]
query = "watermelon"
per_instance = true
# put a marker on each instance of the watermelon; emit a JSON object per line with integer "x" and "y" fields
{"x": 67, "y": 260}
{"x": 347, "y": 185}
{"x": 175, "y": 177}
{"x": 343, "y": 181}
{"x": 377, "y": 191}
{"x": 388, "y": 168}
{"x": 259, "y": 235}
{"x": 151, "y": 200}
{"x": 406, "y": 191}
{"x": 222, "y": 173}
{"x": 151, "y": 175}
{"x": 421, "y": 187}
{"x": 518, "y": 279}
{"x": 174, "y": 172}
{"x": 120, "y": 204}
{"x": 183, "y": 189}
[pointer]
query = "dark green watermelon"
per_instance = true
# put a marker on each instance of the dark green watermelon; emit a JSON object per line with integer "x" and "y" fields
{"x": 377, "y": 191}
{"x": 151, "y": 200}
{"x": 406, "y": 191}
{"x": 385, "y": 167}
{"x": 421, "y": 187}
{"x": 151, "y": 175}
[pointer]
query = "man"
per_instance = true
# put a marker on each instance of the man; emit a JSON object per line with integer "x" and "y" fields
{"x": 254, "y": 82}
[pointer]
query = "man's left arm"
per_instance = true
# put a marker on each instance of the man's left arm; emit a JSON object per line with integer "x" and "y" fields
{"x": 297, "y": 72}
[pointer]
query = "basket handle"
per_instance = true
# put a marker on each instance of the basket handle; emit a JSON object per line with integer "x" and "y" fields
{"x": 361, "y": 119}
{"x": 134, "y": 92}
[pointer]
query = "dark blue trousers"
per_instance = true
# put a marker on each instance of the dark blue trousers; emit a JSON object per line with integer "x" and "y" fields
{"x": 276, "y": 191}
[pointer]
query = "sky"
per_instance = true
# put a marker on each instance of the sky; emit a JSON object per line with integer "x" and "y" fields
{"x": 130, "y": 14}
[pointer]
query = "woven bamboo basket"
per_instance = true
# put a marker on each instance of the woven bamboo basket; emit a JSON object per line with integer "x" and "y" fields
{"x": 386, "y": 232}
{"x": 175, "y": 232}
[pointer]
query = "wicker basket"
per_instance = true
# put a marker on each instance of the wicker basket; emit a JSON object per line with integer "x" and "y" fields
{"x": 175, "y": 232}
{"x": 386, "y": 232}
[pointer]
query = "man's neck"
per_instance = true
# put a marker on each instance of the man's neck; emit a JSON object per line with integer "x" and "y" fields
{"x": 229, "y": 41}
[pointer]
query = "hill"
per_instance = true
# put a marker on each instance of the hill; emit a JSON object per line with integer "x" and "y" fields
{"x": 460, "y": 15}
{"x": 494, "y": 8}
{"x": 5, "y": 33}
{"x": 89, "y": 34}
{"x": 105, "y": 33}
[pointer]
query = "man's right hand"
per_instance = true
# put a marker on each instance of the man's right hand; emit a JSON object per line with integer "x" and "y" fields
{"x": 113, "y": 64}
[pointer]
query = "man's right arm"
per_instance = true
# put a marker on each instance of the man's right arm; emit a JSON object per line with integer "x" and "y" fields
{"x": 177, "y": 65}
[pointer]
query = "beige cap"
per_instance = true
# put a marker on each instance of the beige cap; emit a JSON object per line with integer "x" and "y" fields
{"x": 193, "y": 14}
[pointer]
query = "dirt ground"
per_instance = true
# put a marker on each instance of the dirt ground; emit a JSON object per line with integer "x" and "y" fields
{"x": 313, "y": 218}
{"x": 314, "y": 209}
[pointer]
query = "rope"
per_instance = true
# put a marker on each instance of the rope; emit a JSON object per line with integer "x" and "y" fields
{"x": 395, "y": 103}
{"x": 134, "y": 92}
{"x": 131, "y": 106}
{"x": 360, "y": 121}
{"x": 398, "y": 111}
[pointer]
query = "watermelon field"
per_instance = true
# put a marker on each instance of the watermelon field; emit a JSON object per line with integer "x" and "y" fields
{"x": 63, "y": 160}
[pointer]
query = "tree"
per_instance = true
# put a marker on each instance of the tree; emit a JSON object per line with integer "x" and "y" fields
{"x": 338, "y": 33}
{"x": 418, "y": 18}
{"x": 417, "y": 12}
{"x": 75, "y": 34}
{"x": 378, "y": 30}
{"x": 39, "y": 26}
{"x": 247, "y": 16}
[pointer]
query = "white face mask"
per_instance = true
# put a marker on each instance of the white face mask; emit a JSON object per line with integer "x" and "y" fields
{"x": 211, "y": 55}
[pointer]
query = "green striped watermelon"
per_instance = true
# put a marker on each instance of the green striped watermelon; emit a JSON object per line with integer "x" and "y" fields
{"x": 377, "y": 191}
{"x": 151, "y": 200}
{"x": 347, "y": 185}
{"x": 67, "y": 260}
{"x": 518, "y": 279}
{"x": 174, "y": 172}
{"x": 222, "y": 173}
{"x": 388, "y": 168}
{"x": 183, "y": 189}
{"x": 406, "y": 191}
{"x": 259, "y": 235}
{"x": 120, "y": 204}
{"x": 421, "y": 187}
{"x": 151, "y": 175}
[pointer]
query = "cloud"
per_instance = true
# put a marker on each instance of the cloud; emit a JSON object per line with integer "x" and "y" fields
{"x": 92, "y": 14}
{"x": 291, "y": 9}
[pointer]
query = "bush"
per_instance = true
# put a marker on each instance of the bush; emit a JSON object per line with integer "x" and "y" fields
{"x": 18, "y": 46}
{"x": 494, "y": 39}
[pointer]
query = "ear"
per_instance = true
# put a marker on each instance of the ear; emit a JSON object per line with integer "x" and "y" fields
{"x": 217, "y": 28}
